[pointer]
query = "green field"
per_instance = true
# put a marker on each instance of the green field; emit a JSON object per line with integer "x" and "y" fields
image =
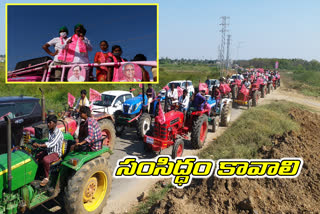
{"x": 306, "y": 82}
{"x": 56, "y": 95}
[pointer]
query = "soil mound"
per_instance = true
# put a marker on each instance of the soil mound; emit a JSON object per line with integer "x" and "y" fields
{"x": 264, "y": 195}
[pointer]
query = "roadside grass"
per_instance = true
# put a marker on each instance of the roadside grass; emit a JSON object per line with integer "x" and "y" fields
{"x": 306, "y": 82}
{"x": 251, "y": 131}
{"x": 153, "y": 197}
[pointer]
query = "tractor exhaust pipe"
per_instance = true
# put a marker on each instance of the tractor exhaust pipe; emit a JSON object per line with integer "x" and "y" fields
{"x": 43, "y": 114}
{"x": 9, "y": 152}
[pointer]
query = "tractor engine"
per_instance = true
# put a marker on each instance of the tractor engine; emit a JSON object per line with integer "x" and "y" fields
{"x": 171, "y": 127}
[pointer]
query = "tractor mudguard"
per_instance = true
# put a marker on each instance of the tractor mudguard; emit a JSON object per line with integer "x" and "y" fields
{"x": 82, "y": 158}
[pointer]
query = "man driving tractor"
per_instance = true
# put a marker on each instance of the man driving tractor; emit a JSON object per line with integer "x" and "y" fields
{"x": 53, "y": 147}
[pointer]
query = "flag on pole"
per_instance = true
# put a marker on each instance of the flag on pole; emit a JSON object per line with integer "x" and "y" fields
{"x": 180, "y": 91}
{"x": 161, "y": 116}
{"x": 203, "y": 86}
{"x": 71, "y": 100}
{"x": 140, "y": 85}
{"x": 276, "y": 66}
{"x": 94, "y": 95}
{"x": 166, "y": 87}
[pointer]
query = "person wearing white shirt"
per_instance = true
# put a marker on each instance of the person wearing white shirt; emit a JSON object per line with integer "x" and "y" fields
{"x": 173, "y": 94}
{"x": 59, "y": 43}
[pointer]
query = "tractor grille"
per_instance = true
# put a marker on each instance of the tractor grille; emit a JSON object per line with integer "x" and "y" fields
{"x": 161, "y": 131}
{"x": 241, "y": 96}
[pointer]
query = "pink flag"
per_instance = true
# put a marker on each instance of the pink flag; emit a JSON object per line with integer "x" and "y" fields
{"x": 161, "y": 117}
{"x": 203, "y": 86}
{"x": 94, "y": 95}
{"x": 180, "y": 91}
{"x": 71, "y": 100}
{"x": 166, "y": 87}
{"x": 276, "y": 66}
{"x": 140, "y": 85}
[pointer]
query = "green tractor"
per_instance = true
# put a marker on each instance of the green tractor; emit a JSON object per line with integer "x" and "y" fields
{"x": 83, "y": 178}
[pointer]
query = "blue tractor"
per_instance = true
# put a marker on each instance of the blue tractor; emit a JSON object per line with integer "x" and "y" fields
{"x": 135, "y": 114}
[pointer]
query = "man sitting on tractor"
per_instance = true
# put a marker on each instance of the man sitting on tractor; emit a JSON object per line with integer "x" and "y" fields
{"x": 184, "y": 101}
{"x": 53, "y": 147}
{"x": 247, "y": 83}
{"x": 200, "y": 100}
{"x": 82, "y": 101}
{"x": 92, "y": 135}
{"x": 151, "y": 95}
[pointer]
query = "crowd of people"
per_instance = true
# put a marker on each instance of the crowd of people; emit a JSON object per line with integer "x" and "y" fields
{"x": 74, "y": 50}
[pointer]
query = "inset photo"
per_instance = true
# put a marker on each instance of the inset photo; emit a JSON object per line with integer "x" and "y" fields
{"x": 81, "y": 43}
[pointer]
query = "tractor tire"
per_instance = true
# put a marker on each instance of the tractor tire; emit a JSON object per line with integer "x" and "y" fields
{"x": 118, "y": 127}
{"x": 249, "y": 104}
{"x": 144, "y": 125}
{"x": 263, "y": 91}
{"x": 93, "y": 179}
{"x": 215, "y": 124}
{"x": 199, "y": 132}
{"x": 269, "y": 89}
{"x": 255, "y": 97}
{"x": 226, "y": 115}
{"x": 234, "y": 91}
{"x": 107, "y": 129}
{"x": 177, "y": 150}
{"x": 275, "y": 86}
{"x": 146, "y": 147}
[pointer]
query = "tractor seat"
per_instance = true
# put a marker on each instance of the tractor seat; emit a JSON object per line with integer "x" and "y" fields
{"x": 64, "y": 152}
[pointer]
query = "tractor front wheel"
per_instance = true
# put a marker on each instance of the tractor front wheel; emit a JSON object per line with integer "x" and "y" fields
{"x": 226, "y": 115}
{"x": 108, "y": 131}
{"x": 178, "y": 147}
{"x": 269, "y": 88}
{"x": 144, "y": 125}
{"x": 215, "y": 123}
{"x": 199, "y": 132}
{"x": 89, "y": 188}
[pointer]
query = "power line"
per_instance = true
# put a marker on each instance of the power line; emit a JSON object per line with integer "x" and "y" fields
{"x": 223, "y": 31}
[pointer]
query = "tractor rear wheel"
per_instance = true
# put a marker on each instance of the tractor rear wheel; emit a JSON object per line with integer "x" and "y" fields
{"x": 263, "y": 91}
{"x": 255, "y": 97}
{"x": 234, "y": 92}
{"x": 199, "y": 132}
{"x": 89, "y": 188}
{"x": 177, "y": 149}
{"x": 108, "y": 131}
{"x": 144, "y": 125}
{"x": 225, "y": 115}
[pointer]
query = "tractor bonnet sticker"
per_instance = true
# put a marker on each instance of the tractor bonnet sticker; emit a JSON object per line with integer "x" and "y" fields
{"x": 183, "y": 169}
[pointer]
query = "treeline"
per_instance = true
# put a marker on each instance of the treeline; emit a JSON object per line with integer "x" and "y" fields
{"x": 289, "y": 64}
{"x": 187, "y": 61}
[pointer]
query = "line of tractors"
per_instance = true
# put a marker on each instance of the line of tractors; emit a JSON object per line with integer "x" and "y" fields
{"x": 83, "y": 178}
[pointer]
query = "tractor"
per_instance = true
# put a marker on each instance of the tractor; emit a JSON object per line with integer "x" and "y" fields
{"x": 69, "y": 120}
{"x": 248, "y": 97}
{"x": 83, "y": 177}
{"x": 135, "y": 114}
{"x": 177, "y": 127}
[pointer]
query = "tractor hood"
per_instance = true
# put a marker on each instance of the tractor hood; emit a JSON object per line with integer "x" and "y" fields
{"x": 134, "y": 105}
{"x": 136, "y": 100}
{"x": 23, "y": 167}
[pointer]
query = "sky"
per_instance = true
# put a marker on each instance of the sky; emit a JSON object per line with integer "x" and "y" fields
{"x": 134, "y": 28}
{"x": 263, "y": 28}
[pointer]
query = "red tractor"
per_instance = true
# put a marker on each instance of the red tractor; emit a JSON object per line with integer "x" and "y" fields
{"x": 248, "y": 96}
{"x": 171, "y": 128}
{"x": 235, "y": 87}
{"x": 262, "y": 85}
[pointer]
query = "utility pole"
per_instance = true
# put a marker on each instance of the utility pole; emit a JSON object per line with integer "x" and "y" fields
{"x": 222, "y": 44}
{"x": 228, "y": 52}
